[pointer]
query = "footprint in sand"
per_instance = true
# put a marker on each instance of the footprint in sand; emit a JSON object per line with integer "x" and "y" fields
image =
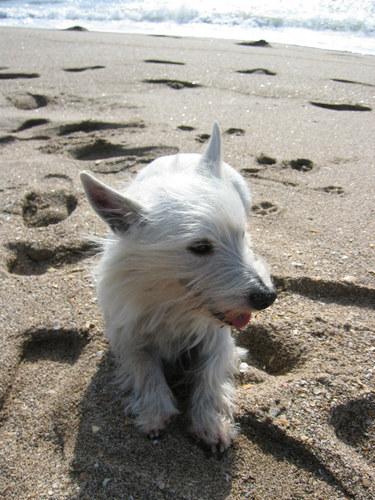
{"x": 332, "y": 189}
{"x": 353, "y": 422}
{"x": 173, "y": 84}
{"x": 85, "y": 68}
{"x": 186, "y": 128}
{"x": 341, "y": 107}
{"x": 44, "y": 208}
{"x": 353, "y": 82}
{"x": 17, "y": 76}
{"x": 27, "y": 101}
{"x": 33, "y": 122}
{"x": 76, "y": 28}
{"x": 161, "y": 61}
{"x": 60, "y": 345}
{"x": 267, "y": 165}
{"x": 89, "y": 126}
{"x": 58, "y": 177}
{"x": 97, "y": 149}
{"x": 256, "y": 71}
{"x": 235, "y": 131}
{"x": 46, "y": 356}
{"x": 7, "y": 139}
{"x": 202, "y": 138}
{"x": 271, "y": 350}
{"x": 250, "y": 171}
{"x": 31, "y": 258}
{"x": 102, "y": 149}
{"x": 256, "y": 43}
{"x": 301, "y": 164}
{"x": 157, "y": 35}
{"x": 266, "y": 160}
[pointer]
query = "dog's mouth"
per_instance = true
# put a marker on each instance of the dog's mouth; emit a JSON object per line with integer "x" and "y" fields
{"x": 238, "y": 320}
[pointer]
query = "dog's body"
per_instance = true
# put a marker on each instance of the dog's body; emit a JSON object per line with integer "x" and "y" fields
{"x": 177, "y": 271}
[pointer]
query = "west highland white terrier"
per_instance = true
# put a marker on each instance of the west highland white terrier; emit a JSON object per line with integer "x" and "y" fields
{"x": 176, "y": 273}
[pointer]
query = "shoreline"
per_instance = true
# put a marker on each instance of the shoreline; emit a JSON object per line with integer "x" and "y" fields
{"x": 173, "y": 34}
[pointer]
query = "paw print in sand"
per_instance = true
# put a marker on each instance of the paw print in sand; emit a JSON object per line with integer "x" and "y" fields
{"x": 265, "y": 208}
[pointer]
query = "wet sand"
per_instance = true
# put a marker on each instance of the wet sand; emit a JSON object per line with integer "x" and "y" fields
{"x": 298, "y": 123}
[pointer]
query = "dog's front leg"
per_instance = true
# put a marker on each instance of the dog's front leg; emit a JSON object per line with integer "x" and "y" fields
{"x": 150, "y": 398}
{"x": 214, "y": 392}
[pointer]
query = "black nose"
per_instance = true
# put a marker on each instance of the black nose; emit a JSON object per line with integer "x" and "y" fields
{"x": 261, "y": 299}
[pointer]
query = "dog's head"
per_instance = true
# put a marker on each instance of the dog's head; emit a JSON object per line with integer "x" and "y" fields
{"x": 185, "y": 226}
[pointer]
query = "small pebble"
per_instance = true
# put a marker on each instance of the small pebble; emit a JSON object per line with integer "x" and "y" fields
{"x": 366, "y": 483}
{"x": 283, "y": 421}
{"x": 274, "y": 411}
{"x": 243, "y": 367}
{"x": 297, "y": 264}
{"x": 247, "y": 386}
{"x": 349, "y": 279}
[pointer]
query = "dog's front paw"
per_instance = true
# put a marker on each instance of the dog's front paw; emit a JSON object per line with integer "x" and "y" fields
{"x": 157, "y": 428}
{"x": 217, "y": 435}
{"x": 153, "y": 425}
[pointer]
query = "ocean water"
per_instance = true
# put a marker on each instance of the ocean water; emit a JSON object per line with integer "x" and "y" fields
{"x": 346, "y": 25}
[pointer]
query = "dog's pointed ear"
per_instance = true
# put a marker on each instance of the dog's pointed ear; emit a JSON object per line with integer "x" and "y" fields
{"x": 115, "y": 209}
{"x": 211, "y": 158}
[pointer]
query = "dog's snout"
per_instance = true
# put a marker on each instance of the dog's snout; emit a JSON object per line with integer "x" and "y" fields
{"x": 261, "y": 299}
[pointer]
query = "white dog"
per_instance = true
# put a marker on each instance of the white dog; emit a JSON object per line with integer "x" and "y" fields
{"x": 176, "y": 273}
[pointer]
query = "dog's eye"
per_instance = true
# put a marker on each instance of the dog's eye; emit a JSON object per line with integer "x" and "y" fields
{"x": 201, "y": 247}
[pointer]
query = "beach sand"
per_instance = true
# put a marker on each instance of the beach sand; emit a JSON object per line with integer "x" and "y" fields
{"x": 301, "y": 130}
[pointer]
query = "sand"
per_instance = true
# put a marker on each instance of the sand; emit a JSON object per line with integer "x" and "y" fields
{"x": 301, "y": 130}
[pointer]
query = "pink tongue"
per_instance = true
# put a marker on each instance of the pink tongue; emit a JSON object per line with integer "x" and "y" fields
{"x": 240, "y": 320}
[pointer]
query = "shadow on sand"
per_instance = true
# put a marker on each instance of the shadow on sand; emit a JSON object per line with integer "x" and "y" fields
{"x": 112, "y": 459}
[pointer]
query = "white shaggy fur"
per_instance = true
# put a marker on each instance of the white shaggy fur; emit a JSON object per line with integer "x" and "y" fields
{"x": 177, "y": 270}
